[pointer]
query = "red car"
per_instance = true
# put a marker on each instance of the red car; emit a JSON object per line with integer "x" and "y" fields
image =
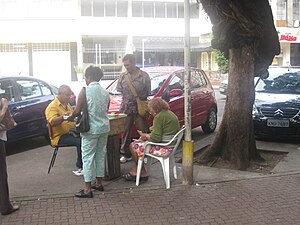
{"x": 167, "y": 82}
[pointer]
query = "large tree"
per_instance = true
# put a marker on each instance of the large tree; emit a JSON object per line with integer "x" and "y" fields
{"x": 244, "y": 30}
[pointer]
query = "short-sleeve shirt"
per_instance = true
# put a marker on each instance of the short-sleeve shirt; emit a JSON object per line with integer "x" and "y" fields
{"x": 142, "y": 85}
{"x": 55, "y": 109}
{"x": 98, "y": 102}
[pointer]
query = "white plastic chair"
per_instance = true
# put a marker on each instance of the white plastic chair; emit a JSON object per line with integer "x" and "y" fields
{"x": 165, "y": 161}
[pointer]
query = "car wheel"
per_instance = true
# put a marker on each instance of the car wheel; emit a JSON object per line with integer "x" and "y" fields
{"x": 211, "y": 122}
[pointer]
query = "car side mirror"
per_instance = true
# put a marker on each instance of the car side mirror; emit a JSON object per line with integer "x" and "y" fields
{"x": 175, "y": 92}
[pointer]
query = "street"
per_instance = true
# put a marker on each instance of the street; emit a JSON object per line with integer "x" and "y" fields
{"x": 218, "y": 196}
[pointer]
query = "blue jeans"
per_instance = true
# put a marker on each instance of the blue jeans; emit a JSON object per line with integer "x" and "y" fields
{"x": 70, "y": 140}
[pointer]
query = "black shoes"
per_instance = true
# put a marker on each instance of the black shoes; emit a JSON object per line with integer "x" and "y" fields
{"x": 13, "y": 209}
{"x": 82, "y": 194}
{"x": 100, "y": 188}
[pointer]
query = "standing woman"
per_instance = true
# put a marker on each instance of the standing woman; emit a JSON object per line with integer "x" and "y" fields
{"x": 5, "y": 206}
{"x": 94, "y": 141}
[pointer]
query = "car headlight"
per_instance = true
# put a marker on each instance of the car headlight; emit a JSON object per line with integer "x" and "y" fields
{"x": 255, "y": 111}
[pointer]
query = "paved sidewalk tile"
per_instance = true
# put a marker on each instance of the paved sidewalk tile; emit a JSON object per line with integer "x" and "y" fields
{"x": 272, "y": 200}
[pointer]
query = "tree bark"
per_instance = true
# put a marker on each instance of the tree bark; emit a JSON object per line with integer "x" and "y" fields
{"x": 235, "y": 140}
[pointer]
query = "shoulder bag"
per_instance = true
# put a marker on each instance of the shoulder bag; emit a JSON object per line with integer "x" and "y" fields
{"x": 143, "y": 110}
{"x": 7, "y": 122}
{"x": 82, "y": 123}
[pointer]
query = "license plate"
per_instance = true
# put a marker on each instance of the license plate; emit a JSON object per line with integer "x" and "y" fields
{"x": 278, "y": 123}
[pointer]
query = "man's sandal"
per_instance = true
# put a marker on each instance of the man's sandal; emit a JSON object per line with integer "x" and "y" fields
{"x": 130, "y": 177}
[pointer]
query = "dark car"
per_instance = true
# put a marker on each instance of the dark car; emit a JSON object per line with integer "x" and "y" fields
{"x": 276, "y": 112}
{"x": 28, "y": 98}
{"x": 167, "y": 82}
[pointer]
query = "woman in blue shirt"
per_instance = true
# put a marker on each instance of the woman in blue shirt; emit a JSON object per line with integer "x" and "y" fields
{"x": 94, "y": 141}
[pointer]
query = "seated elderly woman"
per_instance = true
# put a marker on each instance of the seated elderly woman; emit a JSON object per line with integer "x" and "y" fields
{"x": 165, "y": 124}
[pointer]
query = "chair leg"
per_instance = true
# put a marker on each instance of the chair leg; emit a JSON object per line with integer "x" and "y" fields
{"x": 166, "y": 171}
{"x": 138, "y": 172}
{"x": 149, "y": 162}
{"x": 173, "y": 163}
{"x": 53, "y": 159}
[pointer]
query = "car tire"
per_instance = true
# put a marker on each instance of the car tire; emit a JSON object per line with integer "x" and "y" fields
{"x": 211, "y": 122}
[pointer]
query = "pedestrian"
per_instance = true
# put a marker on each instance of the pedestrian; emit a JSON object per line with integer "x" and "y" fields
{"x": 57, "y": 113}
{"x": 5, "y": 205}
{"x": 94, "y": 141}
{"x": 142, "y": 85}
{"x": 165, "y": 126}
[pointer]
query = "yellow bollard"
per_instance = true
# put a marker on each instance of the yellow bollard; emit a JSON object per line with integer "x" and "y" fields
{"x": 187, "y": 162}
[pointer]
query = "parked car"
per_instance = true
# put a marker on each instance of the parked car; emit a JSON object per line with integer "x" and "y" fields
{"x": 167, "y": 82}
{"x": 28, "y": 98}
{"x": 276, "y": 112}
{"x": 223, "y": 87}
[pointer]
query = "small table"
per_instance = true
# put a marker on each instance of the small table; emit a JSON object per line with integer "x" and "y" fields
{"x": 116, "y": 122}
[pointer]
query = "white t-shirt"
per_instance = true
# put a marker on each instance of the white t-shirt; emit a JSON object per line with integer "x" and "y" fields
{"x": 3, "y": 136}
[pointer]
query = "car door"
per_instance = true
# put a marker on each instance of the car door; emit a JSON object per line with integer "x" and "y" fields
{"x": 28, "y": 108}
{"x": 200, "y": 100}
{"x": 176, "y": 103}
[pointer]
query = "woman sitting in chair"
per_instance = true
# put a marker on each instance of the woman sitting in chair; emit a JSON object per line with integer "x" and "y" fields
{"x": 165, "y": 126}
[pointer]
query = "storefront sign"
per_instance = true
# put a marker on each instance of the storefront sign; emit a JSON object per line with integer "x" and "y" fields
{"x": 290, "y": 35}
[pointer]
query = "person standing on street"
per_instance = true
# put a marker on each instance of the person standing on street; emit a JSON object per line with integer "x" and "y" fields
{"x": 94, "y": 141}
{"x": 5, "y": 205}
{"x": 142, "y": 84}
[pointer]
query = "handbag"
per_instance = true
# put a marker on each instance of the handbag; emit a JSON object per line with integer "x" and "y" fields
{"x": 143, "y": 109}
{"x": 7, "y": 122}
{"x": 82, "y": 123}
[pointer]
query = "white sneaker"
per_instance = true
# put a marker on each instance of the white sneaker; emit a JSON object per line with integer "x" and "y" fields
{"x": 124, "y": 159}
{"x": 78, "y": 172}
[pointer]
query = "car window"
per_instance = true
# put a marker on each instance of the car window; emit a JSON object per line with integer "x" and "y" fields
{"x": 197, "y": 79}
{"x": 6, "y": 90}
{"x": 156, "y": 83}
{"x": 45, "y": 89}
{"x": 29, "y": 89}
{"x": 286, "y": 83}
{"x": 177, "y": 82}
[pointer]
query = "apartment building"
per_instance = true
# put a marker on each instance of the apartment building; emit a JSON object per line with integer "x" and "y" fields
{"x": 47, "y": 38}
{"x": 286, "y": 15}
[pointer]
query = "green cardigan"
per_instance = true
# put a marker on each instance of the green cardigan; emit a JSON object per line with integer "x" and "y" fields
{"x": 165, "y": 123}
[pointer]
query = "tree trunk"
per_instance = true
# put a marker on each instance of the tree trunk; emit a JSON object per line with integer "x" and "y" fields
{"x": 235, "y": 140}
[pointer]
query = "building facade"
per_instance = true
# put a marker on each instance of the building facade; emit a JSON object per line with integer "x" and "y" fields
{"x": 286, "y": 15}
{"x": 47, "y": 38}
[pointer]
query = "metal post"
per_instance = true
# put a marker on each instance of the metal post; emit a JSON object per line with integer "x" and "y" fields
{"x": 143, "y": 53}
{"x": 188, "y": 144}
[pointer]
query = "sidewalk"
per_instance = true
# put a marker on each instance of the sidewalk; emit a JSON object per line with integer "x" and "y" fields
{"x": 218, "y": 196}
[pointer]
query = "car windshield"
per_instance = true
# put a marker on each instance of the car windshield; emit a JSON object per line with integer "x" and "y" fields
{"x": 283, "y": 83}
{"x": 157, "y": 80}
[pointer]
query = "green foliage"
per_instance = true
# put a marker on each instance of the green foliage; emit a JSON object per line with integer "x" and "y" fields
{"x": 78, "y": 69}
{"x": 222, "y": 62}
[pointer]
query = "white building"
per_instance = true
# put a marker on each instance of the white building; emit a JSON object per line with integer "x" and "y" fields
{"x": 286, "y": 15}
{"x": 47, "y": 38}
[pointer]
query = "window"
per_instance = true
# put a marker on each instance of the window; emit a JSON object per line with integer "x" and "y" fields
{"x": 86, "y": 8}
{"x": 148, "y": 9}
{"x": 171, "y": 10}
{"x": 98, "y": 8}
{"x": 122, "y": 8}
{"x": 180, "y": 10}
{"x": 28, "y": 89}
{"x": 45, "y": 89}
{"x": 197, "y": 79}
{"x": 110, "y": 8}
{"x": 176, "y": 82}
{"x": 137, "y": 9}
{"x": 160, "y": 10}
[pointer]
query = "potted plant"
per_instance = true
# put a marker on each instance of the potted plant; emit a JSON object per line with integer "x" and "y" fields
{"x": 79, "y": 71}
